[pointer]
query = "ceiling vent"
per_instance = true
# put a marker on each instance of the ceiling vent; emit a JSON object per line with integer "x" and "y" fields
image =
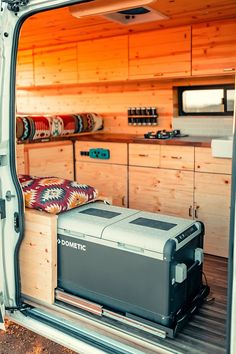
{"x": 136, "y": 15}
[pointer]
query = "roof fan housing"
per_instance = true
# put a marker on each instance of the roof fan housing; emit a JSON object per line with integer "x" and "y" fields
{"x": 136, "y": 15}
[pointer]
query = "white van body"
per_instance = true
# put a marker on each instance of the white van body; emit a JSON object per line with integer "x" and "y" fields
{"x": 92, "y": 336}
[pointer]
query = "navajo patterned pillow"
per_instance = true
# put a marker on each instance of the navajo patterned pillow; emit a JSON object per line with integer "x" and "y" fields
{"x": 55, "y": 195}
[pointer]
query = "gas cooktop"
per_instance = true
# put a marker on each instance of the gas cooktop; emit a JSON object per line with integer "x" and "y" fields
{"x": 164, "y": 134}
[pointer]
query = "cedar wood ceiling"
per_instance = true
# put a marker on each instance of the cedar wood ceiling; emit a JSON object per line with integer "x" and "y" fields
{"x": 60, "y": 27}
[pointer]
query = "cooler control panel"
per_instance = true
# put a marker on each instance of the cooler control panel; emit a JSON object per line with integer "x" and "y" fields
{"x": 186, "y": 233}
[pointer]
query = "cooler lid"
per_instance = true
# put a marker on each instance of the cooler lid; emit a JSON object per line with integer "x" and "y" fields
{"x": 91, "y": 219}
{"x": 146, "y": 230}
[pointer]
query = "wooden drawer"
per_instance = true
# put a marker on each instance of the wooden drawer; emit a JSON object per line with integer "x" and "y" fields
{"x": 177, "y": 157}
{"x": 204, "y": 162}
{"x": 108, "y": 179}
{"x": 144, "y": 155}
{"x": 118, "y": 152}
{"x": 50, "y": 159}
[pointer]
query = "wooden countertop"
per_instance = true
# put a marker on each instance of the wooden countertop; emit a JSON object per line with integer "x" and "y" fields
{"x": 200, "y": 141}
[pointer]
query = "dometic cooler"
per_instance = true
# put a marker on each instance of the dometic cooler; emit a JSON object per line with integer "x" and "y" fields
{"x": 143, "y": 265}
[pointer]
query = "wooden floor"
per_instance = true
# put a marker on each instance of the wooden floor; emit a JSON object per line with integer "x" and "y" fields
{"x": 206, "y": 332}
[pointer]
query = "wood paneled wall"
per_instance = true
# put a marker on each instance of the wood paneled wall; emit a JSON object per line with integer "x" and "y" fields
{"x": 97, "y": 75}
{"x": 110, "y": 100}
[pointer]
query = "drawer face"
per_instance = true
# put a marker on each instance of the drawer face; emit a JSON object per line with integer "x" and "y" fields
{"x": 177, "y": 157}
{"x": 204, "y": 162}
{"x": 144, "y": 155}
{"x": 117, "y": 152}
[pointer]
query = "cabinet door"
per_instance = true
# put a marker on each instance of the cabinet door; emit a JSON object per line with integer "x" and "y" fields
{"x": 56, "y": 65}
{"x": 161, "y": 190}
{"x": 103, "y": 59}
{"x": 162, "y": 53}
{"x": 51, "y": 159}
{"x": 25, "y": 68}
{"x": 213, "y": 48}
{"x": 109, "y": 179}
{"x": 212, "y": 203}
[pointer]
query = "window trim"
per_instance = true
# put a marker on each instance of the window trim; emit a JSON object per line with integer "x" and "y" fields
{"x": 225, "y": 87}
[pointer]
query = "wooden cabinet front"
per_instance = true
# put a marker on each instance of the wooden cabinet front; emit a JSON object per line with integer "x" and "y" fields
{"x": 212, "y": 205}
{"x": 144, "y": 155}
{"x": 103, "y": 59}
{"x": 117, "y": 152}
{"x": 50, "y": 159}
{"x": 161, "y": 190}
{"x": 109, "y": 179}
{"x": 177, "y": 157}
{"x": 161, "y": 53}
{"x": 25, "y": 68}
{"x": 56, "y": 65}
{"x": 205, "y": 162}
{"x": 213, "y": 48}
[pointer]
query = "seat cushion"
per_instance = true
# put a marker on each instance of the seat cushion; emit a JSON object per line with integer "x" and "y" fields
{"x": 55, "y": 195}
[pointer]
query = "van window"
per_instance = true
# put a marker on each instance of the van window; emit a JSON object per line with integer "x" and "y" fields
{"x": 206, "y": 100}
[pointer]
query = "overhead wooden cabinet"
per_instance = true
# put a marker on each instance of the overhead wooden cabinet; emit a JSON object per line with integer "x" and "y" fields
{"x": 103, "y": 59}
{"x": 212, "y": 200}
{"x": 109, "y": 176}
{"x": 213, "y": 48}
{"x": 161, "y": 53}
{"x": 50, "y": 159}
{"x": 56, "y": 65}
{"x": 25, "y": 68}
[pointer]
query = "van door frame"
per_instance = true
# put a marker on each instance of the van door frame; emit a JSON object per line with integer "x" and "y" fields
{"x": 7, "y": 135}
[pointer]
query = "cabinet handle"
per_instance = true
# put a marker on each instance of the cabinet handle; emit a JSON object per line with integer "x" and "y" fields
{"x": 195, "y": 212}
{"x": 190, "y": 211}
{"x": 229, "y": 69}
{"x": 123, "y": 201}
{"x": 176, "y": 157}
{"x": 143, "y": 155}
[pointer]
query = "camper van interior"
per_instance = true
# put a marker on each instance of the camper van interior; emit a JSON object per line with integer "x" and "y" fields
{"x": 134, "y": 104}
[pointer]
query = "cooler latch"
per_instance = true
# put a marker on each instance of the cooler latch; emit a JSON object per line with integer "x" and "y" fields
{"x": 180, "y": 272}
{"x": 199, "y": 255}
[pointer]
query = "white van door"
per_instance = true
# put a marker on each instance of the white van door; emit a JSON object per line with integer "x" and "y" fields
{"x": 12, "y": 15}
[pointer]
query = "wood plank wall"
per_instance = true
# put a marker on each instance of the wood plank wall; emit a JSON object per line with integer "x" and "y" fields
{"x": 111, "y": 100}
{"x": 96, "y": 76}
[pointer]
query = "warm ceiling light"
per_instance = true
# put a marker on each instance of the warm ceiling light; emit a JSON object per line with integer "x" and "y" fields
{"x": 101, "y": 7}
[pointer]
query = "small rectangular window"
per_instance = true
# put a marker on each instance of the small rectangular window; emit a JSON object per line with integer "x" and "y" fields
{"x": 206, "y": 100}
